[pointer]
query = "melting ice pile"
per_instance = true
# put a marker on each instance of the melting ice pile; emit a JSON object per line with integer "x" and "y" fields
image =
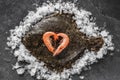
{"x": 36, "y": 68}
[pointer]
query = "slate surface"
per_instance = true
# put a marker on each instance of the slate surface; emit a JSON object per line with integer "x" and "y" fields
{"x": 106, "y": 13}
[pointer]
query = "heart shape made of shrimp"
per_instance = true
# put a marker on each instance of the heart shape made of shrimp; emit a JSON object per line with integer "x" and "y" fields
{"x": 63, "y": 43}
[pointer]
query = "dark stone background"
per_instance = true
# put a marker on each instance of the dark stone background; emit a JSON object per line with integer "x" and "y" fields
{"x": 107, "y": 12}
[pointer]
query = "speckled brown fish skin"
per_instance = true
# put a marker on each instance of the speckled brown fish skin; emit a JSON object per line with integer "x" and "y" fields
{"x": 59, "y": 23}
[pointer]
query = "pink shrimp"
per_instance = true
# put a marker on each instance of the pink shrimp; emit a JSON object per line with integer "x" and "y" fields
{"x": 63, "y": 45}
{"x": 47, "y": 42}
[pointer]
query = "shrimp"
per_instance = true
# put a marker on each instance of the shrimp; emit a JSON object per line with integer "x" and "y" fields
{"x": 64, "y": 43}
{"x": 47, "y": 42}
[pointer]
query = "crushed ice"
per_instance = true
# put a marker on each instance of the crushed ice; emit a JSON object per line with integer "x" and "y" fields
{"x": 38, "y": 69}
